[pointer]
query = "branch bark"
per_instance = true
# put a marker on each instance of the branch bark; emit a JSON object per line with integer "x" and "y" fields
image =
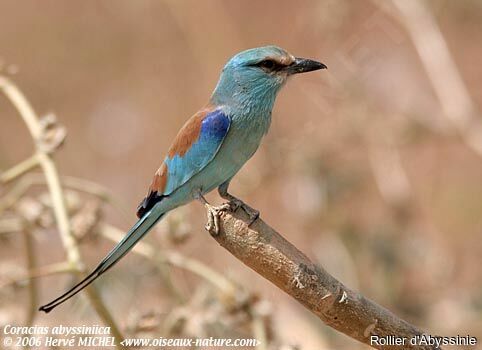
{"x": 269, "y": 254}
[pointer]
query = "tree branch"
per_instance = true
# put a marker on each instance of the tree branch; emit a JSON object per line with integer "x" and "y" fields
{"x": 269, "y": 254}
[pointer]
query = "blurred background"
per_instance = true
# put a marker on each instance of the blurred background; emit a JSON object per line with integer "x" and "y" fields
{"x": 372, "y": 168}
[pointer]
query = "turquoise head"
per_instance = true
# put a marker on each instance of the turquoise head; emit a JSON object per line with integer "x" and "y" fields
{"x": 252, "y": 78}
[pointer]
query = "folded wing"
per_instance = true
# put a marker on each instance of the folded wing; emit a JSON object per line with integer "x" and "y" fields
{"x": 194, "y": 147}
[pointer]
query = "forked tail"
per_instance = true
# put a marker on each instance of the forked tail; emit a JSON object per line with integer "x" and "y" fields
{"x": 122, "y": 248}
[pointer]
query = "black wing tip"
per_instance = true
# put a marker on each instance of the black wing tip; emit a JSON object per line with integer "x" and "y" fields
{"x": 148, "y": 203}
{"x": 141, "y": 210}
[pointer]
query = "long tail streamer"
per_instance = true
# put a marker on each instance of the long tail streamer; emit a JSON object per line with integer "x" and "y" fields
{"x": 122, "y": 248}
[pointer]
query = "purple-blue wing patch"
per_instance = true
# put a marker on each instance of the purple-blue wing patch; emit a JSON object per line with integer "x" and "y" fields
{"x": 194, "y": 147}
{"x": 213, "y": 130}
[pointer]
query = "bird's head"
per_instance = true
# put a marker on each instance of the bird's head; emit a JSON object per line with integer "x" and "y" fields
{"x": 259, "y": 73}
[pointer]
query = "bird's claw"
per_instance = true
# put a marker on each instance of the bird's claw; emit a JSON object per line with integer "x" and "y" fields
{"x": 236, "y": 203}
{"x": 212, "y": 226}
{"x": 214, "y": 213}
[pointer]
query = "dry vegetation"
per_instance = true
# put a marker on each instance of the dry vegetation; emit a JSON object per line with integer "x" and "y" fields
{"x": 375, "y": 164}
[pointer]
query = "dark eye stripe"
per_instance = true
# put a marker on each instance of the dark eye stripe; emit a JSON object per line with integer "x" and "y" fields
{"x": 270, "y": 65}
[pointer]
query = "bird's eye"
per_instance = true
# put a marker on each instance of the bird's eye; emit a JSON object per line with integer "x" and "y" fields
{"x": 268, "y": 64}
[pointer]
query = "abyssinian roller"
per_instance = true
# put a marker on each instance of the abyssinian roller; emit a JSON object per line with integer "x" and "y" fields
{"x": 211, "y": 147}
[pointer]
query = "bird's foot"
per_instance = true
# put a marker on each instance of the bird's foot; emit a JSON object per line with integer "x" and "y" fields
{"x": 236, "y": 203}
{"x": 214, "y": 213}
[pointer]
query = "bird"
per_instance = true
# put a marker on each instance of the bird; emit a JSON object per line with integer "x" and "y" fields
{"x": 211, "y": 147}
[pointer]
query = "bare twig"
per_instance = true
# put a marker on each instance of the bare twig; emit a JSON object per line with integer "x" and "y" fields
{"x": 172, "y": 258}
{"x": 11, "y": 225}
{"x": 94, "y": 189}
{"x": 273, "y": 257}
{"x": 19, "y": 169}
{"x": 447, "y": 82}
{"x": 15, "y": 193}
{"x": 114, "y": 234}
{"x": 70, "y": 182}
{"x": 32, "y": 283}
{"x": 259, "y": 331}
{"x": 41, "y": 271}
{"x": 37, "y": 128}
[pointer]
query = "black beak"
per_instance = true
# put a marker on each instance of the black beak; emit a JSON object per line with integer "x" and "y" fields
{"x": 303, "y": 65}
